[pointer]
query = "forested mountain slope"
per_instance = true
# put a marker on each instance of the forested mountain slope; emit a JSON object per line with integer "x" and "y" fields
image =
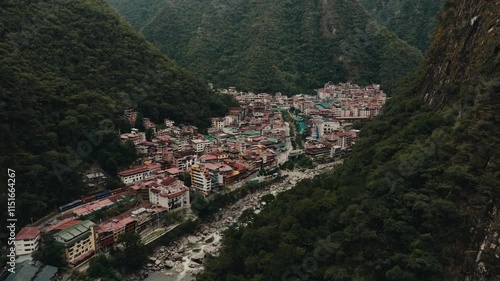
{"x": 417, "y": 199}
{"x": 411, "y": 20}
{"x": 272, "y": 45}
{"x": 68, "y": 68}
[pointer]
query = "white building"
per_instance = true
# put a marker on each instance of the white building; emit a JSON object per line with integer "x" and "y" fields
{"x": 201, "y": 178}
{"x": 199, "y": 145}
{"x": 138, "y": 173}
{"x": 27, "y": 240}
{"x": 170, "y": 193}
{"x": 185, "y": 163}
{"x": 218, "y": 123}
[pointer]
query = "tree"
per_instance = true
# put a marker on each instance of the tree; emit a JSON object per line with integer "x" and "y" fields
{"x": 132, "y": 256}
{"x": 51, "y": 253}
{"x": 199, "y": 204}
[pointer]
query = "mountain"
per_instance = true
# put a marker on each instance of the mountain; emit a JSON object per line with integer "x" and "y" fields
{"x": 413, "y": 21}
{"x": 68, "y": 69}
{"x": 418, "y": 197}
{"x": 291, "y": 46}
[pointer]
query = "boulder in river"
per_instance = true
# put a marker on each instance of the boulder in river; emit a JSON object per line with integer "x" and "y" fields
{"x": 169, "y": 264}
{"x": 176, "y": 257}
{"x": 210, "y": 239}
{"x": 193, "y": 239}
{"x": 179, "y": 267}
{"x": 198, "y": 257}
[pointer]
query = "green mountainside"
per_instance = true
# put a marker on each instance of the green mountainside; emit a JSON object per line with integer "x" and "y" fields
{"x": 291, "y": 46}
{"x": 418, "y": 198}
{"x": 68, "y": 69}
{"x": 411, "y": 20}
{"x": 137, "y": 13}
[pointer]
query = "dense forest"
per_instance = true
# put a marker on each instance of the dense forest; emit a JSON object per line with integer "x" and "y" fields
{"x": 419, "y": 194}
{"x": 68, "y": 69}
{"x": 413, "y": 21}
{"x": 290, "y": 46}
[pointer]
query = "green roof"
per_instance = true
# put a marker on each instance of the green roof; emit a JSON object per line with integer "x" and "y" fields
{"x": 74, "y": 231}
{"x": 24, "y": 271}
{"x": 210, "y": 137}
{"x": 251, "y": 133}
{"x": 46, "y": 274}
{"x": 274, "y": 140}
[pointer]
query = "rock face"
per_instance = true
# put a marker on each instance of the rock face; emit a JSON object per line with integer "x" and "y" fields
{"x": 475, "y": 35}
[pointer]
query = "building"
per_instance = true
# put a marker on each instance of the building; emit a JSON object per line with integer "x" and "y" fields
{"x": 184, "y": 163}
{"x": 201, "y": 178}
{"x": 170, "y": 193}
{"x": 79, "y": 241}
{"x": 138, "y": 173}
{"x": 130, "y": 115}
{"x": 109, "y": 232}
{"x": 199, "y": 145}
{"x": 134, "y": 136}
{"x": 27, "y": 240}
{"x": 218, "y": 123}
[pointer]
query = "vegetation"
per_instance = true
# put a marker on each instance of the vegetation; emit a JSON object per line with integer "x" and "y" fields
{"x": 301, "y": 161}
{"x": 412, "y": 202}
{"x": 267, "y": 46}
{"x": 50, "y": 252}
{"x": 67, "y": 71}
{"x": 412, "y": 21}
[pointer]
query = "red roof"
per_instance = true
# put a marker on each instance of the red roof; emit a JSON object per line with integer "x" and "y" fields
{"x": 238, "y": 167}
{"x": 139, "y": 169}
{"x": 28, "y": 232}
{"x": 168, "y": 181}
{"x": 173, "y": 195}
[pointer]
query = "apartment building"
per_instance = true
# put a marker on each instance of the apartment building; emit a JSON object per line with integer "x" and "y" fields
{"x": 79, "y": 241}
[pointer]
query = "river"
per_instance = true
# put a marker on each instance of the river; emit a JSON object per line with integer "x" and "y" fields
{"x": 184, "y": 258}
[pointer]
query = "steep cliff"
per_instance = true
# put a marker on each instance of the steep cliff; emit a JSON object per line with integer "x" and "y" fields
{"x": 464, "y": 54}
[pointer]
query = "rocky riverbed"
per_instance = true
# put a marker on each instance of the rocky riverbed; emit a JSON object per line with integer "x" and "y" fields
{"x": 181, "y": 260}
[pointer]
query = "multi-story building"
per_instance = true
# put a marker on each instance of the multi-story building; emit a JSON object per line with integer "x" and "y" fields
{"x": 201, "y": 178}
{"x": 218, "y": 123}
{"x": 130, "y": 115}
{"x": 185, "y": 163}
{"x": 138, "y": 173}
{"x": 78, "y": 241}
{"x": 135, "y": 136}
{"x": 170, "y": 193}
{"x": 199, "y": 144}
{"x": 109, "y": 232}
{"x": 27, "y": 240}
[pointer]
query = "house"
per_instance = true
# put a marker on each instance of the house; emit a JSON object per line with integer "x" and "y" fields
{"x": 27, "y": 240}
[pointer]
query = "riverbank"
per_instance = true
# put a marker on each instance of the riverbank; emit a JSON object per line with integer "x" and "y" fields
{"x": 182, "y": 259}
